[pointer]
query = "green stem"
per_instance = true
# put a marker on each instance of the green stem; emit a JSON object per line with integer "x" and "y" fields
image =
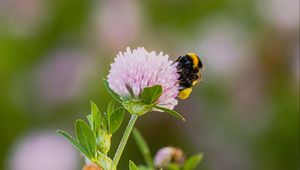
{"x": 124, "y": 139}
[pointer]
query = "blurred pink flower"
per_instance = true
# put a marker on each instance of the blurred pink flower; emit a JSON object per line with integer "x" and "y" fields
{"x": 138, "y": 69}
{"x": 91, "y": 166}
{"x": 284, "y": 14}
{"x": 62, "y": 76}
{"x": 167, "y": 155}
{"x": 22, "y": 16}
{"x": 225, "y": 48}
{"x": 43, "y": 151}
{"x": 118, "y": 23}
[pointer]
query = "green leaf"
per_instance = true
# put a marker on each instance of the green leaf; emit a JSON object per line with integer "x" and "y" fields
{"x": 90, "y": 120}
{"x": 114, "y": 95}
{"x": 173, "y": 166}
{"x": 143, "y": 146}
{"x": 151, "y": 94}
{"x": 110, "y": 108}
{"x": 106, "y": 122}
{"x": 192, "y": 162}
{"x": 86, "y": 137}
{"x": 116, "y": 120}
{"x": 75, "y": 143}
{"x": 171, "y": 112}
{"x": 96, "y": 117}
{"x": 142, "y": 167}
{"x": 132, "y": 166}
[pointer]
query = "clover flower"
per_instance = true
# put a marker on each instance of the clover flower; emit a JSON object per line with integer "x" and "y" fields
{"x": 134, "y": 70}
{"x": 167, "y": 155}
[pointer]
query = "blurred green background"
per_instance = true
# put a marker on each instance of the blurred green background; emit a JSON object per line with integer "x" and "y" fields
{"x": 244, "y": 116}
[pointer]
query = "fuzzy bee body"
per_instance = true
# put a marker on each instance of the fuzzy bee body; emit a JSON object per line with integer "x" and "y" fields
{"x": 189, "y": 68}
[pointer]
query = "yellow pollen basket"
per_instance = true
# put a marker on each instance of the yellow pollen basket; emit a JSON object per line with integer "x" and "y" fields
{"x": 185, "y": 93}
{"x": 194, "y": 58}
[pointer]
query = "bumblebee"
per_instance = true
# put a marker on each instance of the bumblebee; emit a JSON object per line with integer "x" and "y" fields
{"x": 189, "y": 68}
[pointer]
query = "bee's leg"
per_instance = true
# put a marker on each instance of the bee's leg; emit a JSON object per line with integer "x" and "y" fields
{"x": 185, "y": 93}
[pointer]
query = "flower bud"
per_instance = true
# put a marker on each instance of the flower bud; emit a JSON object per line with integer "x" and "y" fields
{"x": 105, "y": 162}
{"x": 91, "y": 166}
{"x": 168, "y": 155}
{"x": 104, "y": 141}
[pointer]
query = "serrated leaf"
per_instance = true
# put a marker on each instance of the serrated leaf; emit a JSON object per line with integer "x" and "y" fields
{"x": 132, "y": 166}
{"x": 110, "y": 108}
{"x": 171, "y": 112}
{"x": 116, "y": 120}
{"x": 86, "y": 137}
{"x": 96, "y": 117}
{"x": 143, "y": 146}
{"x": 151, "y": 94}
{"x": 75, "y": 143}
{"x": 192, "y": 162}
{"x": 114, "y": 95}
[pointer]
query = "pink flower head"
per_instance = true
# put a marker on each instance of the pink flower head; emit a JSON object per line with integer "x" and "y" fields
{"x": 167, "y": 155}
{"x": 138, "y": 68}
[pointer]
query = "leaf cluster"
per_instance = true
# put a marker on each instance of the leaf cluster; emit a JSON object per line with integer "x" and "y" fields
{"x": 93, "y": 139}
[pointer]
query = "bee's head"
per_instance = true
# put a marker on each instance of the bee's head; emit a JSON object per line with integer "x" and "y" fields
{"x": 196, "y": 60}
